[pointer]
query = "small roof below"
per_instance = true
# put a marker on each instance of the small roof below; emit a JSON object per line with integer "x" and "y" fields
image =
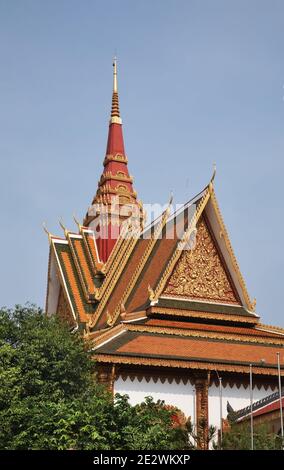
{"x": 165, "y": 349}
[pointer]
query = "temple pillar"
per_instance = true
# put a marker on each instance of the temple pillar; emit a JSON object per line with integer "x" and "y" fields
{"x": 201, "y": 388}
{"x": 106, "y": 375}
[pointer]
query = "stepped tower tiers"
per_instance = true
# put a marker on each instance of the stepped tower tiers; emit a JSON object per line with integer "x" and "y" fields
{"x": 115, "y": 202}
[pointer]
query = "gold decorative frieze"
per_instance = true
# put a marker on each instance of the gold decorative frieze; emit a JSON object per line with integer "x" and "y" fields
{"x": 115, "y": 158}
{"x": 63, "y": 310}
{"x": 175, "y": 363}
{"x": 119, "y": 176}
{"x": 200, "y": 274}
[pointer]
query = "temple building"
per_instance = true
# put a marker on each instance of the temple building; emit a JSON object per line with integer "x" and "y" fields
{"x": 164, "y": 307}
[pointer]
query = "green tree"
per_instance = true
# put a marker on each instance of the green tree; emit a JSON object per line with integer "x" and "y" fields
{"x": 239, "y": 438}
{"x": 49, "y": 398}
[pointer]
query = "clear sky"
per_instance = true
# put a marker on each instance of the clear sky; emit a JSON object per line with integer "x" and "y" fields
{"x": 199, "y": 81}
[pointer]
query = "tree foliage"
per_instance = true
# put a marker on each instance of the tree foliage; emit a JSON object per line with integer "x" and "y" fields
{"x": 239, "y": 438}
{"x": 49, "y": 398}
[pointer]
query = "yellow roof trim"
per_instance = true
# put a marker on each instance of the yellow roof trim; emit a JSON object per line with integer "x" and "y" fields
{"x": 178, "y": 251}
{"x": 134, "y": 277}
{"x": 250, "y": 304}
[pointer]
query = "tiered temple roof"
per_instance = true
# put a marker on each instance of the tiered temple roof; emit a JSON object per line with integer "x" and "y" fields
{"x": 169, "y": 295}
{"x": 151, "y": 305}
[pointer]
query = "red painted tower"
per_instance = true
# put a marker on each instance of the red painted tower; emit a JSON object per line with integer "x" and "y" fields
{"x": 115, "y": 201}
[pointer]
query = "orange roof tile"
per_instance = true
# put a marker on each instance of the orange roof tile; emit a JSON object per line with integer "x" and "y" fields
{"x": 84, "y": 266}
{"x": 162, "y": 346}
{"x": 207, "y": 327}
{"x": 90, "y": 241}
{"x": 158, "y": 261}
{"x": 125, "y": 278}
{"x": 73, "y": 283}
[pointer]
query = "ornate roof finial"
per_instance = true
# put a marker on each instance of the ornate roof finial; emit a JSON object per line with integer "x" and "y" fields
{"x": 77, "y": 222}
{"x": 46, "y": 231}
{"x": 214, "y": 172}
{"x": 115, "y": 115}
{"x": 63, "y": 227}
{"x": 114, "y": 75}
{"x": 210, "y": 185}
{"x": 49, "y": 234}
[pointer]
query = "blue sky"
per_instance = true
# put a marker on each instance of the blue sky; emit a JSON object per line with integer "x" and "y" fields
{"x": 199, "y": 81}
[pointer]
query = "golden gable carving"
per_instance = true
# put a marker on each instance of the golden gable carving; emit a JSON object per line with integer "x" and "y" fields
{"x": 200, "y": 274}
{"x": 63, "y": 309}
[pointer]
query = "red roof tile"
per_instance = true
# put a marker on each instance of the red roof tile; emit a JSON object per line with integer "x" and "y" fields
{"x": 188, "y": 348}
{"x": 218, "y": 328}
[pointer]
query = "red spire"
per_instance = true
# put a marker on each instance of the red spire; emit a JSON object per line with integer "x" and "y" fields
{"x": 115, "y": 182}
{"x": 115, "y": 142}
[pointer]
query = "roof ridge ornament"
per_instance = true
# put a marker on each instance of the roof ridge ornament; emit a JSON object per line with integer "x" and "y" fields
{"x": 47, "y": 231}
{"x": 210, "y": 185}
{"x": 61, "y": 223}
{"x": 214, "y": 172}
{"x": 77, "y": 222}
{"x": 171, "y": 198}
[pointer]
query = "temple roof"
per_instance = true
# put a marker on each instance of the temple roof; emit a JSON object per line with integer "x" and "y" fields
{"x": 171, "y": 293}
{"x": 230, "y": 352}
{"x": 142, "y": 274}
{"x": 266, "y": 405}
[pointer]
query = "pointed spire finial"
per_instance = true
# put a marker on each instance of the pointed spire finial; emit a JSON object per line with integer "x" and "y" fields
{"x": 114, "y": 75}
{"x": 115, "y": 115}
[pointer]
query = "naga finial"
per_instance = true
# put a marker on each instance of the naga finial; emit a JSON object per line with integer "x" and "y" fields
{"x": 46, "y": 231}
{"x": 214, "y": 172}
{"x": 63, "y": 227}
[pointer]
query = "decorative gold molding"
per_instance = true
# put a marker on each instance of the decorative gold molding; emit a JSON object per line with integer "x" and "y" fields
{"x": 63, "y": 309}
{"x": 74, "y": 310}
{"x": 179, "y": 249}
{"x": 119, "y": 248}
{"x": 117, "y": 177}
{"x": 106, "y": 334}
{"x": 79, "y": 270}
{"x": 49, "y": 234}
{"x": 195, "y": 365}
{"x": 207, "y": 315}
{"x": 143, "y": 260}
{"x": 115, "y": 158}
{"x": 236, "y": 337}
{"x": 112, "y": 277}
{"x": 115, "y": 120}
{"x": 274, "y": 329}
{"x": 48, "y": 276}
{"x": 151, "y": 294}
{"x": 97, "y": 265}
{"x": 110, "y": 319}
{"x": 123, "y": 253}
{"x": 199, "y": 272}
{"x": 230, "y": 250}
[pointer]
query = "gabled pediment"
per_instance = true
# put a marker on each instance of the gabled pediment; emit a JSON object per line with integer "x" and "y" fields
{"x": 208, "y": 271}
{"x": 201, "y": 273}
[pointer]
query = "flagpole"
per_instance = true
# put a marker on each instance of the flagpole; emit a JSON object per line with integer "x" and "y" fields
{"x": 280, "y": 400}
{"x": 220, "y": 407}
{"x": 251, "y": 407}
{"x": 221, "y": 412}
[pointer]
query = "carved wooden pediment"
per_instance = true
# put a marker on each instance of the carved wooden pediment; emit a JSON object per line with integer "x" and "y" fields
{"x": 200, "y": 273}
{"x": 63, "y": 309}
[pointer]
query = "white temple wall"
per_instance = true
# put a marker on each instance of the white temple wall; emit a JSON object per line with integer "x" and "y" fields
{"x": 177, "y": 394}
{"x": 237, "y": 397}
{"x": 183, "y": 395}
